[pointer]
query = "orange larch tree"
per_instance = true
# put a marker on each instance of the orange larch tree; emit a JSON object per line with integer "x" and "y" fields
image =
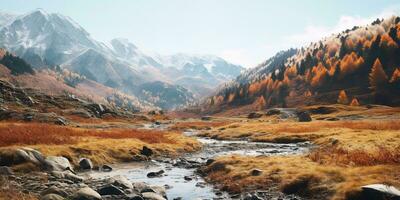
{"x": 354, "y": 102}
{"x": 350, "y": 63}
{"x": 342, "y": 98}
{"x": 377, "y": 78}
{"x": 395, "y": 75}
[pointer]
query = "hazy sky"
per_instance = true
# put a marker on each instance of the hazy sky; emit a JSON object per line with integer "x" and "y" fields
{"x": 245, "y": 32}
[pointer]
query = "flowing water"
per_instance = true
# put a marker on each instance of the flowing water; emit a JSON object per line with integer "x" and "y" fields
{"x": 176, "y": 170}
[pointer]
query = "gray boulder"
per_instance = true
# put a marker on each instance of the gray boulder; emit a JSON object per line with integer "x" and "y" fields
{"x": 152, "y": 196}
{"x": 26, "y": 154}
{"x": 57, "y": 163}
{"x": 139, "y": 186}
{"x": 110, "y": 190}
{"x": 86, "y": 193}
{"x": 154, "y": 189}
{"x": 155, "y": 174}
{"x": 380, "y": 192}
{"x": 120, "y": 181}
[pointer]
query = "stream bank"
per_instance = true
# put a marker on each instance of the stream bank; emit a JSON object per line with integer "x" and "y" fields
{"x": 179, "y": 176}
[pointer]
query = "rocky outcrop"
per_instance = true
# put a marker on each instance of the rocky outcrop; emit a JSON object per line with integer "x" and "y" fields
{"x": 10, "y": 157}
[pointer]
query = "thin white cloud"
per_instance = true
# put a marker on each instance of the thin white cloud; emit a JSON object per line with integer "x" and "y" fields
{"x": 314, "y": 33}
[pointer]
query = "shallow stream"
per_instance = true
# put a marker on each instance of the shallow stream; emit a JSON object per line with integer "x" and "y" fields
{"x": 178, "y": 172}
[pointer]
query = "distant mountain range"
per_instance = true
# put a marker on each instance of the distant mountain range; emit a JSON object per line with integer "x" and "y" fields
{"x": 357, "y": 66}
{"x": 45, "y": 40}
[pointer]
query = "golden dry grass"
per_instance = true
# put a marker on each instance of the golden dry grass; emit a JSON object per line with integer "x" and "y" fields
{"x": 102, "y": 146}
{"x": 297, "y": 174}
{"x": 349, "y": 154}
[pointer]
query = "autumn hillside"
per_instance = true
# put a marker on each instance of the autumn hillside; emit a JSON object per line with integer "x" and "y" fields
{"x": 357, "y": 66}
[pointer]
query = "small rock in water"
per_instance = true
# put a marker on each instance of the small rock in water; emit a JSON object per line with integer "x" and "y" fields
{"x": 106, "y": 168}
{"x": 167, "y": 187}
{"x": 201, "y": 184}
{"x": 187, "y": 178}
{"x": 155, "y": 174}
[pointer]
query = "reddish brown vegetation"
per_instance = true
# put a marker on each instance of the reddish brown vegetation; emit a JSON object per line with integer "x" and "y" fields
{"x": 36, "y": 133}
{"x": 340, "y": 156}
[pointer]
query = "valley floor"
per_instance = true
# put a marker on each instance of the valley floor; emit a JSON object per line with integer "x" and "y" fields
{"x": 351, "y": 147}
